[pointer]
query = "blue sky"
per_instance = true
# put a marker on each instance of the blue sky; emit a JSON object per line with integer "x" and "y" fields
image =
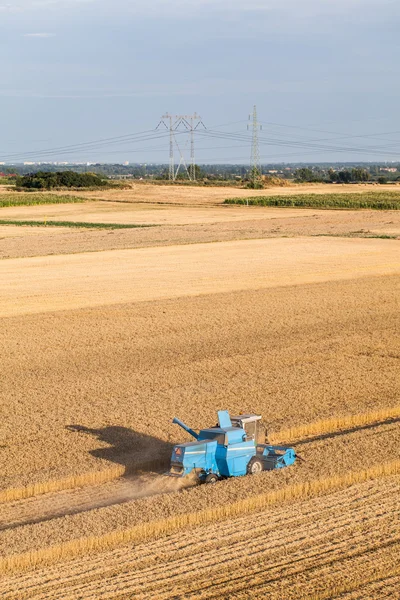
{"x": 80, "y": 70}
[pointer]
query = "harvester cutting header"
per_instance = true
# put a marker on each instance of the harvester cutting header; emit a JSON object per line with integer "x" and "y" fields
{"x": 234, "y": 447}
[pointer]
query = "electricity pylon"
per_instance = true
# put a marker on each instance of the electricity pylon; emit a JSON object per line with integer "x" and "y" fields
{"x": 181, "y": 123}
{"x": 255, "y": 164}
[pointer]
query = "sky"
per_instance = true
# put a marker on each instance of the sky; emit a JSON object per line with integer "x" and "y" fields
{"x": 324, "y": 75}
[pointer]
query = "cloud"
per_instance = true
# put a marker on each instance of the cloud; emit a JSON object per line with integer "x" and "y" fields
{"x": 8, "y": 8}
{"x": 39, "y": 35}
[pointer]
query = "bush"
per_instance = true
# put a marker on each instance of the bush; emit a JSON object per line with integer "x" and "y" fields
{"x": 45, "y": 180}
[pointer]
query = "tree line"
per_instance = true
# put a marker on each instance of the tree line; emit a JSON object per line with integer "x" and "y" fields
{"x": 46, "y": 180}
{"x": 354, "y": 175}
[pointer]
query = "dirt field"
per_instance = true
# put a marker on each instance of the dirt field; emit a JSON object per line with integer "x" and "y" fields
{"x": 101, "y": 349}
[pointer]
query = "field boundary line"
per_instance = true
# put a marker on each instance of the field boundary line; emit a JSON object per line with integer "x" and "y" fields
{"x": 156, "y": 529}
{"x": 335, "y": 424}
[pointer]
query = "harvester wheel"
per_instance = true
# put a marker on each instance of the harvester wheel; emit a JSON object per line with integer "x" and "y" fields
{"x": 255, "y": 466}
{"x": 211, "y": 478}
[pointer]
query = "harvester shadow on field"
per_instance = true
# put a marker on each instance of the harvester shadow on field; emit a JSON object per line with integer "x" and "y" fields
{"x": 348, "y": 431}
{"x": 143, "y": 457}
{"x": 133, "y": 450}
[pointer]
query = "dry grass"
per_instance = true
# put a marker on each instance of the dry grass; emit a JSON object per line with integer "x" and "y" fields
{"x": 334, "y": 424}
{"x": 180, "y": 225}
{"x": 156, "y": 529}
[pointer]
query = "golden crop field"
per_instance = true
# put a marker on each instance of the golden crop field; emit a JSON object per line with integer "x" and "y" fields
{"x": 106, "y": 335}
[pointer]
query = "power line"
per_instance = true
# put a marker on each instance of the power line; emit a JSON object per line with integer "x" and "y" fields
{"x": 300, "y": 145}
{"x": 191, "y": 128}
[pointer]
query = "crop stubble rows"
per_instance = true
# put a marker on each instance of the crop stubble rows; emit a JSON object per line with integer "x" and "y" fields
{"x": 297, "y": 548}
{"x": 327, "y": 464}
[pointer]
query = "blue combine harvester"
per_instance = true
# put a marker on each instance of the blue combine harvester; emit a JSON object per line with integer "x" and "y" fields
{"x": 234, "y": 447}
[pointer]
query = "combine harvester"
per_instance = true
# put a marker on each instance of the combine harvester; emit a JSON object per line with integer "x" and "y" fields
{"x": 234, "y": 447}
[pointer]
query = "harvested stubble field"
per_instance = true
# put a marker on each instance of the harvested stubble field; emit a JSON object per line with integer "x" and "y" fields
{"x": 296, "y": 550}
{"x": 176, "y": 224}
{"x": 303, "y": 331}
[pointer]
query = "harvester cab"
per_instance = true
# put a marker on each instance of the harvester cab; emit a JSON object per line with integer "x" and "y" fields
{"x": 234, "y": 447}
{"x": 253, "y": 427}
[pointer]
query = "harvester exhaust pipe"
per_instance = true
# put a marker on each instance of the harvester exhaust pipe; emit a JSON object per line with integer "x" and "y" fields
{"x": 186, "y": 428}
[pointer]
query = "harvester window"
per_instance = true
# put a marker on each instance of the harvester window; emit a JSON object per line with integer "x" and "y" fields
{"x": 220, "y": 437}
{"x": 250, "y": 429}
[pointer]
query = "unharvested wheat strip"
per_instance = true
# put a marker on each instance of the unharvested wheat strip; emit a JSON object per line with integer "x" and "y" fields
{"x": 75, "y": 481}
{"x": 58, "y": 485}
{"x": 335, "y": 424}
{"x": 160, "y": 528}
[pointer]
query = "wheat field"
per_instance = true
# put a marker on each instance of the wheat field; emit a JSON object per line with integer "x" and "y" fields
{"x": 108, "y": 340}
